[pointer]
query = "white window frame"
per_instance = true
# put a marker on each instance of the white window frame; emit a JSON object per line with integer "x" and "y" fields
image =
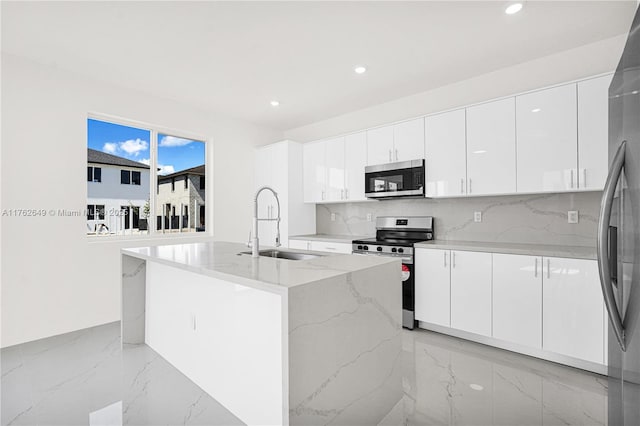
{"x": 154, "y": 131}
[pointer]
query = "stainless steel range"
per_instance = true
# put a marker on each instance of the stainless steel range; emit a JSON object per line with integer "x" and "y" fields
{"x": 395, "y": 237}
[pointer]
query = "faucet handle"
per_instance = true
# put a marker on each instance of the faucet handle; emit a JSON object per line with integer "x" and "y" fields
{"x": 249, "y": 240}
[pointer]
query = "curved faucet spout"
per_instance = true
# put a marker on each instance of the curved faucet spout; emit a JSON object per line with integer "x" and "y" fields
{"x": 255, "y": 249}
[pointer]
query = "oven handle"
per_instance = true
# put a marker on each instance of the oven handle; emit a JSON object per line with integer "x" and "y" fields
{"x": 404, "y": 259}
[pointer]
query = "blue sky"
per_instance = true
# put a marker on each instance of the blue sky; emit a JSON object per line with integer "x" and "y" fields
{"x": 174, "y": 154}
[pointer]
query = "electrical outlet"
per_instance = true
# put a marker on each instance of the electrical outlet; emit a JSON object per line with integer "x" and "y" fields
{"x": 333, "y": 217}
{"x": 369, "y": 217}
{"x": 477, "y": 216}
{"x": 572, "y": 216}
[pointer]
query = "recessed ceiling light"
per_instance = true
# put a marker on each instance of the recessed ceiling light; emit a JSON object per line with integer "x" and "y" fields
{"x": 635, "y": 92}
{"x": 536, "y": 110}
{"x": 513, "y": 8}
{"x": 476, "y": 387}
{"x": 481, "y": 151}
{"x": 275, "y": 103}
{"x": 360, "y": 69}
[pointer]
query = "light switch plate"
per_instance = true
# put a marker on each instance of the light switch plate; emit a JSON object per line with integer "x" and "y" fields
{"x": 477, "y": 216}
{"x": 369, "y": 217}
{"x": 333, "y": 217}
{"x": 572, "y": 216}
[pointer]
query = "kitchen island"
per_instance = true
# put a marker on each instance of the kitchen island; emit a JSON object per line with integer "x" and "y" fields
{"x": 275, "y": 341}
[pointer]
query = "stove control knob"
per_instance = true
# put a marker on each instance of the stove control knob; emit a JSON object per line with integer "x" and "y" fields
{"x": 401, "y": 250}
{"x": 379, "y": 248}
{"x": 393, "y": 250}
{"x": 366, "y": 247}
{"x": 429, "y": 236}
{"x": 359, "y": 247}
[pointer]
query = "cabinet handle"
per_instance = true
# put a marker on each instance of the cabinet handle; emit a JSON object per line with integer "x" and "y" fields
{"x": 535, "y": 269}
{"x": 453, "y": 259}
{"x": 342, "y": 194}
{"x": 322, "y": 195}
{"x": 390, "y": 155}
{"x": 462, "y": 186}
{"x": 549, "y": 268}
{"x": 396, "y": 155}
{"x": 444, "y": 256}
{"x": 584, "y": 178}
{"x": 346, "y": 193}
{"x": 572, "y": 178}
{"x": 470, "y": 190}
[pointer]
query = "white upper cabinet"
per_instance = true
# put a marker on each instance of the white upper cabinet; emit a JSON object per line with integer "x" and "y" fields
{"x": 517, "y": 299}
{"x": 445, "y": 153}
{"x": 380, "y": 145}
{"x": 593, "y": 128}
{"x": 355, "y": 160}
{"x": 335, "y": 167}
{"x": 491, "y": 148}
{"x": 471, "y": 292}
{"x": 547, "y": 142}
{"x": 573, "y": 309}
{"x": 408, "y": 140}
{"x": 314, "y": 172}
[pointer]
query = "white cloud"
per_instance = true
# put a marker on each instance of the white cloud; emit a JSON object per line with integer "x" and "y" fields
{"x": 133, "y": 146}
{"x": 110, "y": 147}
{"x": 146, "y": 161}
{"x": 165, "y": 170}
{"x": 171, "y": 141}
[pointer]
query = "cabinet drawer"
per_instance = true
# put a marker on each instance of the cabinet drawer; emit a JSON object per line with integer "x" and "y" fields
{"x": 300, "y": 244}
{"x": 331, "y": 247}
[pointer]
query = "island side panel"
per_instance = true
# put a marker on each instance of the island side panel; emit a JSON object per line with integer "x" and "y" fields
{"x": 345, "y": 347}
{"x": 225, "y": 337}
{"x": 133, "y": 299}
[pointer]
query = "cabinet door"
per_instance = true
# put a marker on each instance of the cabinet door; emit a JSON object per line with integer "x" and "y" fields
{"x": 445, "y": 153}
{"x": 547, "y": 142}
{"x": 433, "y": 286}
{"x": 471, "y": 292}
{"x": 573, "y": 309}
{"x": 491, "y": 148}
{"x": 380, "y": 145}
{"x": 517, "y": 299}
{"x": 314, "y": 172}
{"x": 331, "y": 247}
{"x": 408, "y": 140}
{"x": 593, "y": 132}
{"x": 355, "y": 160}
{"x": 300, "y": 244}
{"x": 335, "y": 169}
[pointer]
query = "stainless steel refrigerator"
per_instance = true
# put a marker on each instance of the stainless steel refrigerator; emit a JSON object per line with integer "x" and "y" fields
{"x": 619, "y": 236}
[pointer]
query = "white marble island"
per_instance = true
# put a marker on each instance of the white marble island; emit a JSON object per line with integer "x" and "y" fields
{"x": 275, "y": 341}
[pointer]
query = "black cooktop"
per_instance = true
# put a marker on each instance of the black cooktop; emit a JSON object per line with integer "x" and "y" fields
{"x": 388, "y": 242}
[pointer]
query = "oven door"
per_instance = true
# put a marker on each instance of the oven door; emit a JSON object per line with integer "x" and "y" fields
{"x": 395, "y": 180}
{"x": 407, "y": 277}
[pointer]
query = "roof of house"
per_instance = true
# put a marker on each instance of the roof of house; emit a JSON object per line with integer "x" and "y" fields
{"x": 99, "y": 157}
{"x": 197, "y": 170}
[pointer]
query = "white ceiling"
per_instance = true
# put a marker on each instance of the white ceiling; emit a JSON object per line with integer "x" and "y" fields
{"x": 235, "y": 57}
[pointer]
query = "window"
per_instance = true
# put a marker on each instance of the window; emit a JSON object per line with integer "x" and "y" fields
{"x": 95, "y": 212}
{"x": 202, "y": 182}
{"x": 94, "y": 174}
{"x": 133, "y": 198}
{"x": 125, "y": 177}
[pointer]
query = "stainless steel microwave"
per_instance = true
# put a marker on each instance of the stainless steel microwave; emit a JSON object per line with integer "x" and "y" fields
{"x": 402, "y": 179}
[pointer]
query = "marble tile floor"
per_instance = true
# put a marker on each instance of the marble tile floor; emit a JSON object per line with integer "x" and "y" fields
{"x": 85, "y": 378}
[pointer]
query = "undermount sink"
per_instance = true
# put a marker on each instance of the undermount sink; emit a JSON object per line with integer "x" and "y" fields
{"x": 289, "y": 255}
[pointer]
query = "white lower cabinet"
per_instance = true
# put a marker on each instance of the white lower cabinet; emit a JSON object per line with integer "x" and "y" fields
{"x": 471, "y": 292}
{"x": 517, "y": 299}
{"x": 573, "y": 309}
{"x": 433, "y": 286}
{"x": 300, "y": 244}
{"x": 331, "y": 247}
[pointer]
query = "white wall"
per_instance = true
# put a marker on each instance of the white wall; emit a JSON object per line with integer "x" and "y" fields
{"x": 53, "y": 279}
{"x": 585, "y": 61}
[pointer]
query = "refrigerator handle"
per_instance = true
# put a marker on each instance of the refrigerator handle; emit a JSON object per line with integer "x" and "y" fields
{"x": 604, "y": 244}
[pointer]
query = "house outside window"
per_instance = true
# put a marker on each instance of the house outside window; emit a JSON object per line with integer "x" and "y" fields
{"x": 94, "y": 174}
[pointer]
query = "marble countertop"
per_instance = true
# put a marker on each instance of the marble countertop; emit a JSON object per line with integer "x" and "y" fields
{"x": 329, "y": 237}
{"x": 574, "y": 252}
{"x": 221, "y": 260}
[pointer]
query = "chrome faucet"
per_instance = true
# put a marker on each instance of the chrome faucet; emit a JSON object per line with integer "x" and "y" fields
{"x": 254, "y": 243}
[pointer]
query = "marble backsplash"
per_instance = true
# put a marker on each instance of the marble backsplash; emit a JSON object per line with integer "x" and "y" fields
{"x": 526, "y": 219}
